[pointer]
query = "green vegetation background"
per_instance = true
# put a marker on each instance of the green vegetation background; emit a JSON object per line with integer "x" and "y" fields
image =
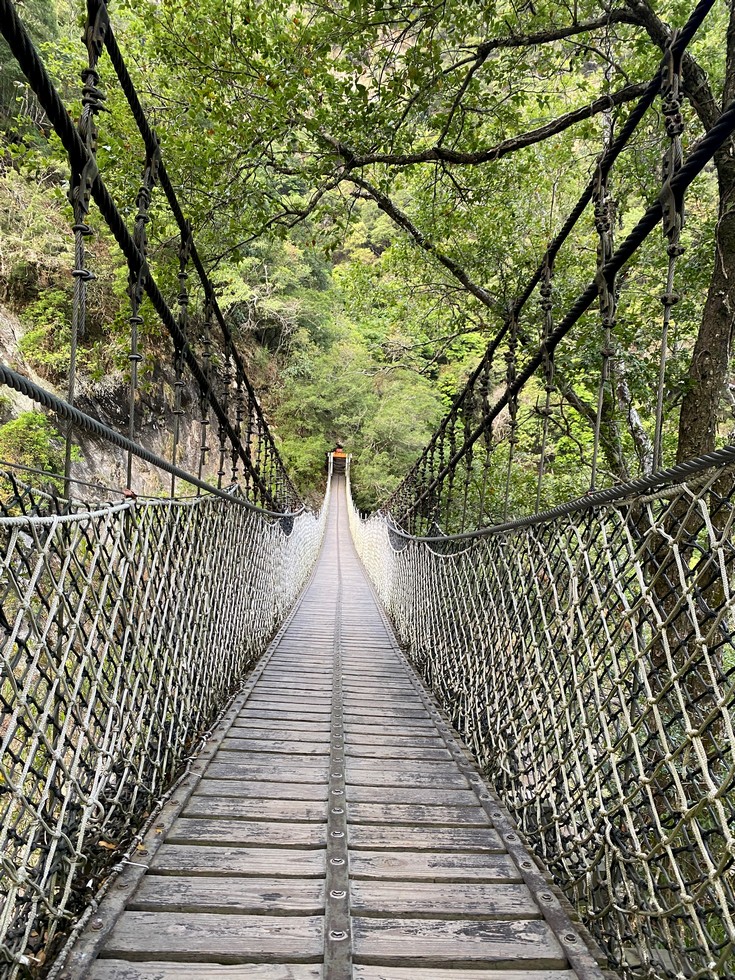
{"x": 351, "y": 332}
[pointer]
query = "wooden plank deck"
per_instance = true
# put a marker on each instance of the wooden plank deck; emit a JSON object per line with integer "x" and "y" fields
{"x": 338, "y": 830}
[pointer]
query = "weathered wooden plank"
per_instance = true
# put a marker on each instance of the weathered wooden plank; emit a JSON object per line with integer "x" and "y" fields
{"x": 263, "y": 728}
{"x": 318, "y": 678}
{"x": 260, "y": 715}
{"x": 281, "y": 761}
{"x": 415, "y": 942}
{"x": 413, "y": 899}
{"x": 396, "y": 681}
{"x": 284, "y": 773}
{"x": 354, "y": 648}
{"x": 301, "y": 694}
{"x": 281, "y": 681}
{"x": 410, "y": 795}
{"x": 303, "y": 657}
{"x": 309, "y": 629}
{"x": 416, "y": 729}
{"x": 358, "y": 677}
{"x": 360, "y": 668}
{"x": 291, "y": 669}
{"x": 123, "y": 970}
{"x": 302, "y": 650}
{"x": 255, "y": 833}
{"x": 396, "y": 751}
{"x": 269, "y": 862}
{"x": 431, "y": 768}
{"x": 361, "y": 712}
{"x": 184, "y": 893}
{"x": 237, "y": 788}
{"x": 378, "y": 740}
{"x": 283, "y": 676}
{"x": 300, "y": 715}
{"x": 276, "y": 746}
{"x": 372, "y": 685}
{"x": 234, "y": 808}
{"x": 433, "y": 866}
{"x": 315, "y": 706}
{"x": 361, "y": 972}
{"x": 373, "y": 837}
{"x": 306, "y": 703}
{"x": 370, "y": 691}
{"x": 411, "y": 815}
{"x": 196, "y": 937}
{"x": 402, "y": 777}
{"x": 390, "y": 699}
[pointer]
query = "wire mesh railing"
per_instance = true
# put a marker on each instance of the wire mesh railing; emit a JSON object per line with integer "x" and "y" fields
{"x": 587, "y": 656}
{"x": 126, "y": 627}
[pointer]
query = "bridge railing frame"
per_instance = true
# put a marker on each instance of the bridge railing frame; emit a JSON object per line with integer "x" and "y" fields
{"x": 127, "y": 628}
{"x": 126, "y": 624}
{"x": 464, "y": 476}
{"x": 587, "y": 656}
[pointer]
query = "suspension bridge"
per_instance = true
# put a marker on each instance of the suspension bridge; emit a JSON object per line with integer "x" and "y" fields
{"x": 450, "y": 740}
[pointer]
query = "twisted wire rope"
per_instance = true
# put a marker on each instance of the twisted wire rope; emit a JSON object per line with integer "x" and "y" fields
{"x": 273, "y": 489}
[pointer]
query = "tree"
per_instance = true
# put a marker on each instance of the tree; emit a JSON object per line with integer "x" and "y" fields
{"x": 429, "y": 112}
{"x": 40, "y": 18}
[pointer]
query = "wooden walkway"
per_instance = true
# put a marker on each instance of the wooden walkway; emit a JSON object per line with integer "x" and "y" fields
{"x": 335, "y": 829}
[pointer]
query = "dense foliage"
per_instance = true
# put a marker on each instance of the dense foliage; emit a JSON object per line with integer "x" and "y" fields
{"x": 372, "y": 183}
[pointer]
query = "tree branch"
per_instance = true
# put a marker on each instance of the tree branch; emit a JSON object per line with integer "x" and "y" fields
{"x": 620, "y": 16}
{"x": 455, "y": 158}
{"x": 289, "y": 217}
{"x": 609, "y": 435}
{"x": 641, "y": 439}
{"x": 400, "y": 218}
{"x": 483, "y": 50}
{"x": 695, "y": 82}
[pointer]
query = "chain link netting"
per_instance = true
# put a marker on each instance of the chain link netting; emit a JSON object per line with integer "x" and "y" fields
{"x": 589, "y": 662}
{"x": 126, "y": 628}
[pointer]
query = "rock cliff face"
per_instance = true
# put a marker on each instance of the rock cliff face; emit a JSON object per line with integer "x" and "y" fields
{"x": 13, "y": 403}
{"x": 155, "y": 426}
{"x": 107, "y": 400}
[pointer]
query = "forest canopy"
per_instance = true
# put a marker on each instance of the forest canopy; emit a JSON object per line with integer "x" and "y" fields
{"x": 373, "y": 183}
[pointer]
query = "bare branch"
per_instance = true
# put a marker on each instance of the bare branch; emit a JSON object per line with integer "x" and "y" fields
{"x": 287, "y": 217}
{"x": 483, "y": 50}
{"x": 641, "y": 439}
{"x": 458, "y": 99}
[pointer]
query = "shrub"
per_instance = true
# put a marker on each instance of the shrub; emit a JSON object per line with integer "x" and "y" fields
{"x": 32, "y": 439}
{"x": 46, "y": 344}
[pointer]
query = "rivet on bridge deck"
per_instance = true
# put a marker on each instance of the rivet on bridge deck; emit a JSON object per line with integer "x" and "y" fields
{"x": 472, "y": 729}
